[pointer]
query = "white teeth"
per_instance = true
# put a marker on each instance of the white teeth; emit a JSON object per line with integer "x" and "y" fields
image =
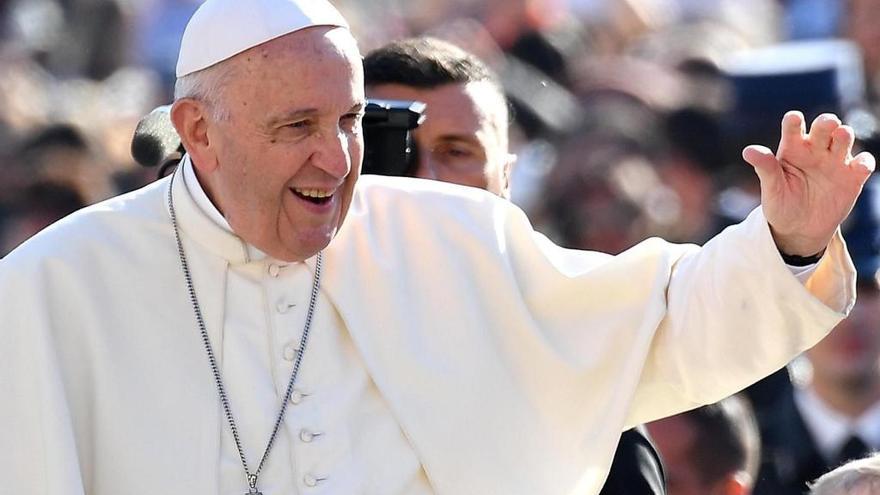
{"x": 313, "y": 193}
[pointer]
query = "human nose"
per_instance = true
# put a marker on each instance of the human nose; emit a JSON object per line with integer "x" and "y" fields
{"x": 333, "y": 154}
{"x": 426, "y": 168}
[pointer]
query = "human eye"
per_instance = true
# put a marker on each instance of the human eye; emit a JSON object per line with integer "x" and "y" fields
{"x": 452, "y": 153}
{"x": 299, "y": 124}
{"x": 297, "y": 129}
{"x": 459, "y": 152}
{"x": 351, "y": 121}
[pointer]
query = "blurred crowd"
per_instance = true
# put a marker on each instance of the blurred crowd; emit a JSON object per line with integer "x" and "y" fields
{"x": 629, "y": 115}
{"x": 628, "y": 121}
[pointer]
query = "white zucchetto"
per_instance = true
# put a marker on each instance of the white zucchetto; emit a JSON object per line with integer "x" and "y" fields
{"x": 222, "y": 28}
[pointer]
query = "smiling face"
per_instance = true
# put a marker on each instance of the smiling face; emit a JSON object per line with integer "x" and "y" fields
{"x": 282, "y": 161}
{"x": 463, "y": 139}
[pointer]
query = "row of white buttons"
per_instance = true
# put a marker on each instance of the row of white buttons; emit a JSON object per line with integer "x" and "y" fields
{"x": 307, "y": 436}
{"x": 296, "y": 396}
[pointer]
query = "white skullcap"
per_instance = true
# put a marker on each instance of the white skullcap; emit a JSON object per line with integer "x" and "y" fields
{"x": 222, "y": 28}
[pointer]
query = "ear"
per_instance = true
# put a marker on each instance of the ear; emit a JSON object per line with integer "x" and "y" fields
{"x": 191, "y": 118}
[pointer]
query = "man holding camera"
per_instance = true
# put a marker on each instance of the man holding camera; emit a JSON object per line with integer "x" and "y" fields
{"x": 464, "y": 139}
{"x": 223, "y": 331}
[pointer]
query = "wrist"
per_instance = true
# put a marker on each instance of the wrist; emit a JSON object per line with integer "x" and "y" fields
{"x": 799, "y": 248}
{"x": 795, "y": 260}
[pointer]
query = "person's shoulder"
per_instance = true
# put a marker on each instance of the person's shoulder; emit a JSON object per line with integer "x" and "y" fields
{"x": 104, "y": 224}
{"x": 381, "y": 184}
{"x": 406, "y": 195}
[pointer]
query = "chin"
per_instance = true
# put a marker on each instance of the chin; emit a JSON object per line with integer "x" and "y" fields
{"x": 307, "y": 246}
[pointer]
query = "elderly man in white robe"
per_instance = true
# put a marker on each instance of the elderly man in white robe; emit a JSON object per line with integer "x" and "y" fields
{"x": 225, "y": 331}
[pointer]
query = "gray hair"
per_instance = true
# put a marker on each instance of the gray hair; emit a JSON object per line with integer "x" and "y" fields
{"x": 206, "y": 86}
{"x": 858, "y": 474}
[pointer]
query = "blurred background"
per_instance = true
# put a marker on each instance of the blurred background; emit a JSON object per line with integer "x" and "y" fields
{"x": 629, "y": 115}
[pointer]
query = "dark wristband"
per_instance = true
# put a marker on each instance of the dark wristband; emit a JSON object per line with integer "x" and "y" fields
{"x": 793, "y": 260}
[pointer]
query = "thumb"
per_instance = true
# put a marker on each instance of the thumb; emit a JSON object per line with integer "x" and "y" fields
{"x": 765, "y": 163}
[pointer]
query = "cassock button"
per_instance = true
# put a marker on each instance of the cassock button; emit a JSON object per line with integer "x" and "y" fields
{"x": 296, "y": 396}
{"x": 307, "y": 436}
{"x": 290, "y": 352}
{"x": 274, "y": 270}
{"x": 311, "y": 480}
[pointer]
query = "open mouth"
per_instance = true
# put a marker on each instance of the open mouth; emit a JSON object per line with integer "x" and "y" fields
{"x": 316, "y": 196}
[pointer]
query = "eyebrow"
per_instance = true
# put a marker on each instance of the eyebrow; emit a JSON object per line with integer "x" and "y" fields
{"x": 292, "y": 115}
{"x": 463, "y": 138}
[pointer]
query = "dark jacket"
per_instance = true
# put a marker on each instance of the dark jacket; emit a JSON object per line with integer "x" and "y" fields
{"x": 636, "y": 469}
{"x": 789, "y": 457}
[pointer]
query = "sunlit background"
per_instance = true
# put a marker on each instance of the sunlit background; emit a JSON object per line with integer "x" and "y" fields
{"x": 629, "y": 115}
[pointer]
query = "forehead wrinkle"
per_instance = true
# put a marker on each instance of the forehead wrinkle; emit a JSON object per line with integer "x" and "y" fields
{"x": 321, "y": 42}
{"x": 291, "y": 46}
{"x": 305, "y": 58}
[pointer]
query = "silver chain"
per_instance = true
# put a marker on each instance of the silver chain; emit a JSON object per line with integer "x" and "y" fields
{"x": 221, "y": 389}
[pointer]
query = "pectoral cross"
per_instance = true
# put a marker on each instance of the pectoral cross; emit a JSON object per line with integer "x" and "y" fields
{"x": 252, "y": 485}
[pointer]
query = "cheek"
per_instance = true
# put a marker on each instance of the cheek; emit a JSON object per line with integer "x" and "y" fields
{"x": 356, "y": 149}
{"x": 355, "y": 154}
{"x": 350, "y": 183}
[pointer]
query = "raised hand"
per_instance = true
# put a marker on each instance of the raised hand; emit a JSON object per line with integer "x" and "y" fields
{"x": 810, "y": 185}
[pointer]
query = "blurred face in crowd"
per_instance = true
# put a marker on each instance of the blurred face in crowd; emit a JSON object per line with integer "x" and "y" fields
{"x": 675, "y": 438}
{"x": 864, "y": 28}
{"x": 281, "y": 155}
{"x": 600, "y": 195}
{"x": 848, "y": 357}
{"x": 463, "y": 139}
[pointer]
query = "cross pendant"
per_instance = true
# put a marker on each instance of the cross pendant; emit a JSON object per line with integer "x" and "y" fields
{"x": 252, "y": 484}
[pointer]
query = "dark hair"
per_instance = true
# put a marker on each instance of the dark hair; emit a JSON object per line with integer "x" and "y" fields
{"x": 727, "y": 439}
{"x": 54, "y": 136}
{"x": 424, "y": 63}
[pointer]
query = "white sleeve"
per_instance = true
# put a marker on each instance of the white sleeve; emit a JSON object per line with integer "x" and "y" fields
{"x": 735, "y": 313}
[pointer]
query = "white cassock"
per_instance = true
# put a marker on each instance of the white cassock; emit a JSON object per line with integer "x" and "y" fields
{"x": 454, "y": 350}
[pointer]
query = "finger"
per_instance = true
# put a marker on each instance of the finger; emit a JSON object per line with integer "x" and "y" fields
{"x": 842, "y": 140}
{"x": 863, "y": 163}
{"x": 793, "y": 127}
{"x": 765, "y": 163}
{"x": 821, "y": 129}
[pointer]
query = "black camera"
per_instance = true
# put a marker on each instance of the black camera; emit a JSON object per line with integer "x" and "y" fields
{"x": 388, "y": 145}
